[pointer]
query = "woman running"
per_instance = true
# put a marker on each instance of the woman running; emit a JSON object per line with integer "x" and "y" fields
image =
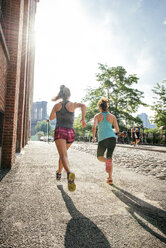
{"x": 64, "y": 134}
{"x": 106, "y": 136}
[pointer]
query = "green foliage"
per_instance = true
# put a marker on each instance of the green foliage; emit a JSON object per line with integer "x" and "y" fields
{"x": 78, "y": 128}
{"x": 40, "y": 134}
{"x": 80, "y": 131}
{"x": 117, "y": 86}
{"x": 51, "y": 133}
{"x": 159, "y": 106}
{"x": 42, "y": 126}
{"x": 34, "y": 138}
{"x": 152, "y": 130}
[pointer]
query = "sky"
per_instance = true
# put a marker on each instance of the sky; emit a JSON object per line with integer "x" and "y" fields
{"x": 73, "y": 36}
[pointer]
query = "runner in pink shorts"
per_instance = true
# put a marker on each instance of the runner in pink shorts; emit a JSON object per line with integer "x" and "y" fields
{"x": 64, "y": 134}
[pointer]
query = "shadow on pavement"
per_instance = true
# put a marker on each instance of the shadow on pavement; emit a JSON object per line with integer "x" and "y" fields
{"x": 3, "y": 173}
{"x": 154, "y": 215}
{"x": 81, "y": 231}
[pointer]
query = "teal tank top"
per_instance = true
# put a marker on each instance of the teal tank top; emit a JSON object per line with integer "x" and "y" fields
{"x": 105, "y": 128}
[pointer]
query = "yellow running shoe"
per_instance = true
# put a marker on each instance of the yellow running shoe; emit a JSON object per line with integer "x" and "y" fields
{"x": 71, "y": 183}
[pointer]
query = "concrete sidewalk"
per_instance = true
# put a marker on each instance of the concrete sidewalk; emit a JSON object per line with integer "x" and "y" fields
{"x": 37, "y": 211}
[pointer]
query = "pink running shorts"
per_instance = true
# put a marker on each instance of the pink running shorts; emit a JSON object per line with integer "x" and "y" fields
{"x": 64, "y": 133}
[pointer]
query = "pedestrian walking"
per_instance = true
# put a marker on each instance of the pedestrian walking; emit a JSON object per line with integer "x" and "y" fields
{"x": 137, "y": 136}
{"x": 64, "y": 134}
{"x": 106, "y": 136}
{"x": 133, "y": 136}
{"x": 125, "y": 136}
{"x": 122, "y": 138}
{"x": 129, "y": 136}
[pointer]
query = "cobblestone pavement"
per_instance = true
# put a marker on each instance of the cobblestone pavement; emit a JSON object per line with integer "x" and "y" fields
{"x": 36, "y": 211}
{"x": 145, "y": 160}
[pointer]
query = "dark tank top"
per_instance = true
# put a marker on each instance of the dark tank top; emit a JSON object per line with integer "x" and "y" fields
{"x": 64, "y": 118}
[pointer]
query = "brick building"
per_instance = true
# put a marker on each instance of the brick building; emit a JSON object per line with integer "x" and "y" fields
{"x": 17, "y": 52}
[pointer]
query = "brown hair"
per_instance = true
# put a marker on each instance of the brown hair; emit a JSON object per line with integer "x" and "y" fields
{"x": 103, "y": 103}
{"x": 64, "y": 93}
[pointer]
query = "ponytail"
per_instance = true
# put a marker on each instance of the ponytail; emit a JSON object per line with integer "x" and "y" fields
{"x": 64, "y": 93}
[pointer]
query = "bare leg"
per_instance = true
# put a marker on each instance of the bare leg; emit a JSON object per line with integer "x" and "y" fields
{"x": 62, "y": 150}
{"x": 60, "y": 166}
{"x": 110, "y": 172}
{"x": 60, "y": 161}
{"x": 103, "y": 159}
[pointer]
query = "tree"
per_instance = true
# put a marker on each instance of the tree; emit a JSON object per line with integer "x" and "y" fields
{"x": 117, "y": 87}
{"x": 42, "y": 126}
{"x": 80, "y": 131}
{"x": 51, "y": 132}
{"x": 40, "y": 134}
{"x": 78, "y": 128}
{"x": 159, "y": 106}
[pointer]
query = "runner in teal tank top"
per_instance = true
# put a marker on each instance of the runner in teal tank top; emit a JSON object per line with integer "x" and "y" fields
{"x": 105, "y": 128}
{"x": 106, "y": 136}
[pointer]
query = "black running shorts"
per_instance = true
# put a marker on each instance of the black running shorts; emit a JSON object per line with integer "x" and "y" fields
{"x": 106, "y": 145}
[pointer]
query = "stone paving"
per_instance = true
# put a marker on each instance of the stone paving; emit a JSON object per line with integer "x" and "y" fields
{"x": 36, "y": 211}
{"x": 147, "y": 160}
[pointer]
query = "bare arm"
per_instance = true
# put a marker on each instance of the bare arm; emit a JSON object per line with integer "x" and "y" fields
{"x": 94, "y": 128}
{"x": 53, "y": 114}
{"x": 83, "y": 110}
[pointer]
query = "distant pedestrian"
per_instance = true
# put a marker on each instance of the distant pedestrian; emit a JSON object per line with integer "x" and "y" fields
{"x": 121, "y": 138}
{"x": 133, "y": 137}
{"x": 137, "y": 136}
{"x": 106, "y": 136}
{"x": 128, "y": 136}
{"x": 64, "y": 134}
{"x": 125, "y": 136}
{"x": 144, "y": 136}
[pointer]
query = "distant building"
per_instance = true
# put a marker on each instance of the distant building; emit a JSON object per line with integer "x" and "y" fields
{"x": 146, "y": 123}
{"x": 39, "y": 113}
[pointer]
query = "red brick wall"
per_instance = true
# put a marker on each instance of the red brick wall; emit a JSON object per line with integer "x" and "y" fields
{"x": 3, "y": 72}
{"x": 23, "y": 76}
{"x": 19, "y": 80}
{"x": 14, "y": 43}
